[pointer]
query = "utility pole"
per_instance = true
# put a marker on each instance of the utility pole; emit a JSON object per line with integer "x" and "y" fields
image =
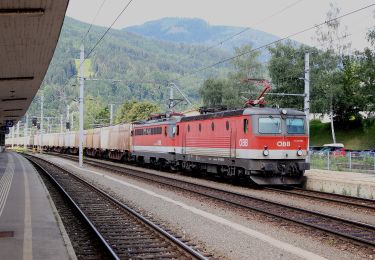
{"x": 171, "y": 98}
{"x": 72, "y": 121}
{"x": 12, "y": 137}
{"x": 67, "y": 114}
{"x": 61, "y": 123}
{"x": 81, "y": 86}
{"x": 18, "y": 130}
{"x": 182, "y": 93}
{"x": 110, "y": 114}
{"x": 307, "y": 101}
{"x": 41, "y": 121}
{"x": 25, "y": 131}
{"x": 48, "y": 125}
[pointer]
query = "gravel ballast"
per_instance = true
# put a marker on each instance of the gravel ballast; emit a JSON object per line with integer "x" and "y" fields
{"x": 235, "y": 240}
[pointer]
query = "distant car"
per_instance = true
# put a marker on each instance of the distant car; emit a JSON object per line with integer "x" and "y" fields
{"x": 336, "y": 150}
{"x": 355, "y": 153}
{"x": 369, "y": 152}
{"x": 315, "y": 149}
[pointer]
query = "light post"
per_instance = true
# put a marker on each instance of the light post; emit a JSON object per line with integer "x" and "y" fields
{"x": 81, "y": 95}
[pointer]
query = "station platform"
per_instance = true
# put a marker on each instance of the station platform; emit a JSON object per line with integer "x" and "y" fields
{"x": 29, "y": 227}
{"x": 345, "y": 183}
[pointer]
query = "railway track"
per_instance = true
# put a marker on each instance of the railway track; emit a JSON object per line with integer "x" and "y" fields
{"x": 324, "y": 196}
{"x": 367, "y": 204}
{"x": 123, "y": 232}
{"x": 350, "y": 230}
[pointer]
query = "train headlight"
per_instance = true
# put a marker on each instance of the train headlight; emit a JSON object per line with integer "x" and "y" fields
{"x": 266, "y": 152}
{"x": 299, "y": 153}
{"x": 284, "y": 111}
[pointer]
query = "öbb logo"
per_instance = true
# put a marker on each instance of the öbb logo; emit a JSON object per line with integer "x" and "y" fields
{"x": 283, "y": 144}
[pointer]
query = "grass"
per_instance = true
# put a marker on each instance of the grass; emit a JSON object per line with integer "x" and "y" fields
{"x": 355, "y": 137}
{"x": 87, "y": 67}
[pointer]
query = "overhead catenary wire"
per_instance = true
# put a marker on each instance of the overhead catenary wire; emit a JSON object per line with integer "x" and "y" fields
{"x": 92, "y": 22}
{"x": 108, "y": 29}
{"x": 244, "y": 30}
{"x": 99, "y": 40}
{"x": 230, "y": 58}
{"x": 274, "y": 42}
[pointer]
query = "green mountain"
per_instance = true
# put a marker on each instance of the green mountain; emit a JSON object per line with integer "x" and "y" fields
{"x": 123, "y": 66}
{"x": 198, "y": 31}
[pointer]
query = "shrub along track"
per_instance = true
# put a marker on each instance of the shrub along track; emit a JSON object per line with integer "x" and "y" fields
{"x": 121, "y": 232}
{"x": 350, "y": 230}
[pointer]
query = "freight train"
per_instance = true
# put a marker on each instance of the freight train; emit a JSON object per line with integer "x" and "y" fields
{"x": 266, "y": 145}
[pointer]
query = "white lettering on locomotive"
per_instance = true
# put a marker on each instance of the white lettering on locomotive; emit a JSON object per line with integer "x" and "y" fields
{"x": 243, "y": 142}
{"x": 283, "y": 143}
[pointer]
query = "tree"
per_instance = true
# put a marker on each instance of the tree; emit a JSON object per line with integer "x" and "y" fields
{"x": 333, "y": 38}
{"x": 230, "y": 91}
{"x": 212, "y": 92}
{"x": 348, "y": 101}
{"x": 96, "y": 113}
{"x": 132, "y": 111}
{"x": 366, "y": 61}
{"x": 286, "y": 68}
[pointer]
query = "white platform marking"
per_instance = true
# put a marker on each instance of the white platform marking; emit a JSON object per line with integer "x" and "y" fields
{"x": 27, "y": 233}
{"x": 6, "y": 182}
{"x": 248, "y": 231}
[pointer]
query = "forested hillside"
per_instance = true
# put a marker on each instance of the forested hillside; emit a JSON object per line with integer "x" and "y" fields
{"x": 198, "y": 31}
{"x": 142, "y": 68}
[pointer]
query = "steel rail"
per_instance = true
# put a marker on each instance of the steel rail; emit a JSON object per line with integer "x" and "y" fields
{"x": 179, "y": 185}
{"x": 76, "y": 207}
{"x": 189, "y": 250}
{"x": 336, "y": 198}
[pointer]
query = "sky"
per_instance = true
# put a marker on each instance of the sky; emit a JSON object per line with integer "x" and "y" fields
{"x": 265, "y": 15}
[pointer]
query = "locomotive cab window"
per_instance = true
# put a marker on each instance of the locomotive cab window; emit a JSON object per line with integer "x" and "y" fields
{"x": 200, "y": 127}
{"x": 227, "y": 125}
{"x": 213, "y": 126}
{"x": 246, "y": 125}
{"x": 178, "y": 130}
{"x": 295, "y": 125}
{"x": 269, "y": 125}
{"x": 165, "y": 131}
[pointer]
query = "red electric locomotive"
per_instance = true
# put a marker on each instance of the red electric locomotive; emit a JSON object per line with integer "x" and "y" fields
{"x": 266, "y": 145}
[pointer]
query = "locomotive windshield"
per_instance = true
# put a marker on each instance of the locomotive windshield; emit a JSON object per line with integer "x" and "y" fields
{"x": 270, "y": 125}
{"x": 295, "y": 125}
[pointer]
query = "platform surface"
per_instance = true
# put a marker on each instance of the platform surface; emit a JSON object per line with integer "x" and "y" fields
{"x": 28, "y": 227}
{"x": 346, "y": 183}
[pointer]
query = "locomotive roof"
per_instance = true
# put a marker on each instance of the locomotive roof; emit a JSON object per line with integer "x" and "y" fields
{"x": 158, "y": 122}
{"x": 244, "y": 111}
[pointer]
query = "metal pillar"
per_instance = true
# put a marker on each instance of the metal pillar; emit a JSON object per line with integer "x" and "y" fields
{"x": 171, "y": 98}
{"x": 307, "y": 102}
{"x": 25, "y": 132}
{"x": 41, "y": 121}
{"x": 12, "y": 136}
{"x": 67, "y": 115}
{"x": 18, "y": 130}
{"x": 110, "y": 114}
{"x": 72, "y": 121}
{"x": 61, "y": 123}
{"x": 81, "y": 86}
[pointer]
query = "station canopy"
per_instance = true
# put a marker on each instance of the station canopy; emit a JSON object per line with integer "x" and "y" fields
{"x": 29, "y": 31}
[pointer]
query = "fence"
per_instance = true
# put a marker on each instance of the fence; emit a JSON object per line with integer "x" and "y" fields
{"x": 352, "y": 161}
